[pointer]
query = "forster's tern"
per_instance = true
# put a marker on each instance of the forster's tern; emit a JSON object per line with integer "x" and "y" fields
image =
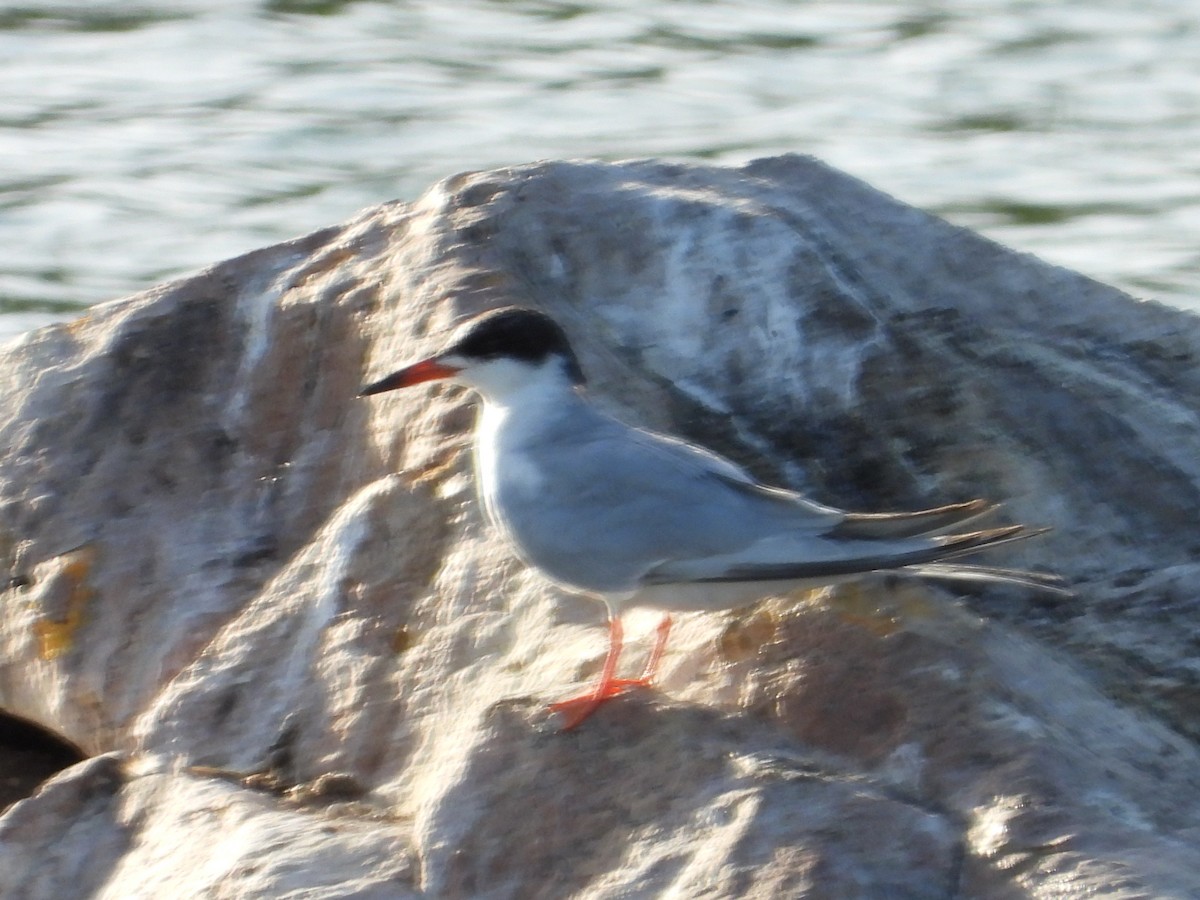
{"x": 635, "y": 518}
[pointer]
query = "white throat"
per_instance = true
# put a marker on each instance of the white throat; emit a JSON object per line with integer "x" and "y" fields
{"x": 513, "y": 383}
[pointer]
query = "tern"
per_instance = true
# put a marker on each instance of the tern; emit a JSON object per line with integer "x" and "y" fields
{"x": 636, "y": 518}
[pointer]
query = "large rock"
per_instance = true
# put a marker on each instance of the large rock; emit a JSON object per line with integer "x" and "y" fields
{"x": 307, "y": 668}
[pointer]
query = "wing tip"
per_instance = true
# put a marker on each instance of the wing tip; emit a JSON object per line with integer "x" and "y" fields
{"x": 887, "y": 526}
{"x": 1042, "y": 582}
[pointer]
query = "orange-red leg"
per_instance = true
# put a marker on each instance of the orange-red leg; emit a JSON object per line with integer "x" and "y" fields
{"x": 577, "y": 709}
{"x": 660, "y": 645}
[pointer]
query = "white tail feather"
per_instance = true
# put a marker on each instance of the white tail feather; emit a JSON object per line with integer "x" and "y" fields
{"x": 1039, "y": 581}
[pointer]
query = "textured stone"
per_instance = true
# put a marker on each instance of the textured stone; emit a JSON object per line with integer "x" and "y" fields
{"x": 314, "y": 671}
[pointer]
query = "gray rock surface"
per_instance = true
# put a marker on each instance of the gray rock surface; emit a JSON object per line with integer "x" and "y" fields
{"x": 305, "y": 667}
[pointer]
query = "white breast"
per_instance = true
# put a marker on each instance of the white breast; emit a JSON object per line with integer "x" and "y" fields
{"x": 501, "y": 467}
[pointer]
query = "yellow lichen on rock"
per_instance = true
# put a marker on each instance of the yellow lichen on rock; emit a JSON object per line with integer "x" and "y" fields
{"x": 882, "y": 613}
{"x": 55, "y": 635}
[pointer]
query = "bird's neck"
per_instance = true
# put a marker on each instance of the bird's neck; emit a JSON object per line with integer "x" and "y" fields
{"x": 526, "y": 413}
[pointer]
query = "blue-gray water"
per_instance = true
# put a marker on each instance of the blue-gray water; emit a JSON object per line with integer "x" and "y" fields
{"x": 139, "y": 140}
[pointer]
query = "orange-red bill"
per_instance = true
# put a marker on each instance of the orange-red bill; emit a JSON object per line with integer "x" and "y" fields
{"x": 426, "y": 370}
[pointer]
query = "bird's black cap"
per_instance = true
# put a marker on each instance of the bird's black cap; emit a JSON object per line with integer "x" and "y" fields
{"x": 519, "y": 333}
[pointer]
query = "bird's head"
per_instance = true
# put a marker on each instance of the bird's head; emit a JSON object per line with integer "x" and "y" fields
{"x": 496, "y": 353}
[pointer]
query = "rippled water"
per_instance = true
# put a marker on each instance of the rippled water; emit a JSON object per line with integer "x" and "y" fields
{"x": 141, "y": 140}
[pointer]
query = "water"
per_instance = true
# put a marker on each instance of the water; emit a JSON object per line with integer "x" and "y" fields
{"x": 142, "y": 140}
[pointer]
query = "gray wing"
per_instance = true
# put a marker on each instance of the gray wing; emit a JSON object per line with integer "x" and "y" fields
{"x": 618, "y": 502}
